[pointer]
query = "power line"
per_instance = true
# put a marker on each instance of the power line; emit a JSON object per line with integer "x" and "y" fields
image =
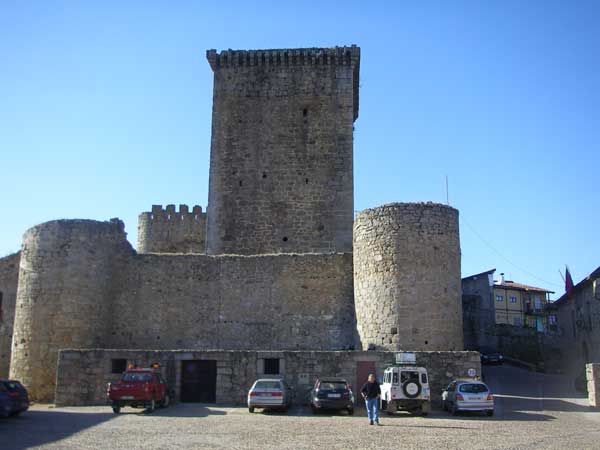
{"x": 486, "y": 242}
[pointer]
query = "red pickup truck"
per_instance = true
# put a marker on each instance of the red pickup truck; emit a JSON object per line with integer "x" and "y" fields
{"x": 139, "y": 388}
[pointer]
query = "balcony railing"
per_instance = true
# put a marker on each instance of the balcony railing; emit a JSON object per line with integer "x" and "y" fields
{"x": 534, "y": 311}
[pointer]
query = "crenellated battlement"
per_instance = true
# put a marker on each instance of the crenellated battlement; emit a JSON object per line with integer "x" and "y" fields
{"x": 170, "y": 213}
{"x": 167, "y": 230}
{"x": 286, "y": 57}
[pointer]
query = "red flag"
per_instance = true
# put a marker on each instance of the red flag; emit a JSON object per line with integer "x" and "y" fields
{"x": 568, "y": 282}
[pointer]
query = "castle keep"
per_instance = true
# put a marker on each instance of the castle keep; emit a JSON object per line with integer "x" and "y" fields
{"x": 276, "y": 268}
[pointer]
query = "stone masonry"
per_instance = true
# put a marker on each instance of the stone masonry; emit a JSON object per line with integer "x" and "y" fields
{"x": 593, "y": 384}
{"x": 81, "y": 284}
{"x": 68, "y": 274}
{"x": 83, "y": 374}
{"x": 281, "y": 176}
{"x": 407, "y": 277}
{"x": 268, "y": 270}
{"x": 170, "y": 231}
{"x": 9, "y": 274}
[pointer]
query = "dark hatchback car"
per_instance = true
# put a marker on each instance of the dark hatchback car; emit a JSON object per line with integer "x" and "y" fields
{"x": 13, "y": 398}
{"x": 331, "y": 394}
{"x": 491, "y": 358}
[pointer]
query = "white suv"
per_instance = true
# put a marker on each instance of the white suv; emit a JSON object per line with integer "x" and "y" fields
{"x": 406, "y": 388}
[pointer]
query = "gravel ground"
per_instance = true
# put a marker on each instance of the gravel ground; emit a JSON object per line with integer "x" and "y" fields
{"x": 520, "y": 422}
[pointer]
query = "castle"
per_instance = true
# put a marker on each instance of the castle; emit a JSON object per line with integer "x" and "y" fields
{"x": 277, "y": 263}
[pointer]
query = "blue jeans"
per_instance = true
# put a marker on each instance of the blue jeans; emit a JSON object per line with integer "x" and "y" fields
{"x": 372, "y": 404}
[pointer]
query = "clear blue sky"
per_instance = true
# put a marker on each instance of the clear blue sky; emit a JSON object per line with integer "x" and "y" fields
{"x": 105, "y": 109}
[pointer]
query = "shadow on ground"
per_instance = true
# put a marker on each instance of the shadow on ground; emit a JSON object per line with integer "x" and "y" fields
{"x": 39, "y": 427}
{"x": 182, "y": 410}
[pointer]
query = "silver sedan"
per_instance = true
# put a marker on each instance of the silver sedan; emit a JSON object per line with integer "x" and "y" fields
{"x": 269, "y": 393}
{"x": 468, "y": 395}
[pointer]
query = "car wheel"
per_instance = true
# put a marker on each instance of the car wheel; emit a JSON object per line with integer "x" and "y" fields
{"x": 314, "y": 409}
{"x": 166, "y": 401}
{"x": 490, "y": 413}
{"x": 251, "y": 409}
{"x": 350, "y": 411}
{"x": 116, "y": 409}
{"x": 454, "y": 409}
{"x": 152, "y": 405}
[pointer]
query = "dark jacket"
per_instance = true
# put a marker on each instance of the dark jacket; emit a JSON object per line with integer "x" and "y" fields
{"x": 371, "y": 390}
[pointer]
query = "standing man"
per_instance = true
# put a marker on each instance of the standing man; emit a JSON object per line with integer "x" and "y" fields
{"x": 371, "y": 393}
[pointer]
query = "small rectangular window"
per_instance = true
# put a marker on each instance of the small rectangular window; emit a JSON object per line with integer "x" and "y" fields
{"x": 395, "y": 377}
{"x": 271, "y": 366}
{"x": 118, "y": 365}
{"x": 513, "y": 299}
{"x": 499, "y": 298}
{"x": 423, "y": 378}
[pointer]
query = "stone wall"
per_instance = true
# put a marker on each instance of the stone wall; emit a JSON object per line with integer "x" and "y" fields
{"x": 170, "y": 231}
{"x": 281, "y": 165}
{"x": 593, "y": 384}
{"x": 578, "y": 327}
{"x": 82, "y": 285}
{"x": 479, "y": 319}
{"x": 83, "y": 374}
{"x": 9, "y": 276}
{"x": 235, "y": 302}
{"x": 407, "y": 277}
{"x": 68, "y": 274}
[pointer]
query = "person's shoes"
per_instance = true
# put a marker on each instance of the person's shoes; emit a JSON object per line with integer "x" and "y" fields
{"x": 371, "y": 422}
{"x": 378, "y": 424}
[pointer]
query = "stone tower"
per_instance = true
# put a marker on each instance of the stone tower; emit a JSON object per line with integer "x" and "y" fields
{"x": 281, "y": 175}
{"x": 68, "y": 272}
{"x": 407, "y": 288}
{"x": 169, "y": 231}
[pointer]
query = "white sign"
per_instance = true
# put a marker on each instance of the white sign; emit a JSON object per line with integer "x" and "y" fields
{"x": 406, "y": 358}
{"x": 471, "y": 372}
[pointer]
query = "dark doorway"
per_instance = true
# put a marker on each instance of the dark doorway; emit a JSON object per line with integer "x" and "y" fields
{"x": 199, "y": 381}
{"x": 271, "y": 366}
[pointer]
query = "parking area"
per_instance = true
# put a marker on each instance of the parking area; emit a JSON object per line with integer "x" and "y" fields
{"x": 530, "y": 413}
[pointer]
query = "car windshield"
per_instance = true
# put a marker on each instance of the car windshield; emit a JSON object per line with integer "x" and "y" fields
{"x": 136, "y": 377}
{"x": 12, "y": 385}
{"x": 332, "y": 385}
{"x": 267, "y": 385}
{"x": 473, "y": 388}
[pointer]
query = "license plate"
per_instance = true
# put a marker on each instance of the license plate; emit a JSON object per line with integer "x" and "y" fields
{"x": 334, "y": 395}
{"x": 127, "y": 397}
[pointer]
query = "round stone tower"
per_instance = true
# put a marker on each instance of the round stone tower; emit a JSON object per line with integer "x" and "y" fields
{"x": 67, "y": 272}
{"x": 407, "y": 287}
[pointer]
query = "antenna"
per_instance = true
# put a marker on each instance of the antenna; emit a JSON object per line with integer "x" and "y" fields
{"x": 561, "y": 275}
{"x": 447, "y": 197}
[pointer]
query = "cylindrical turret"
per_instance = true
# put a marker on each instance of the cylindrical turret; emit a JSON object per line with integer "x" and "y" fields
{"x": 67, "y": 272}
{"x": 407, "y": 287}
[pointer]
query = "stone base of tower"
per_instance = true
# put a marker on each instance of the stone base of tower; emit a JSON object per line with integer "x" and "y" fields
{"x": 82, "y": 375}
